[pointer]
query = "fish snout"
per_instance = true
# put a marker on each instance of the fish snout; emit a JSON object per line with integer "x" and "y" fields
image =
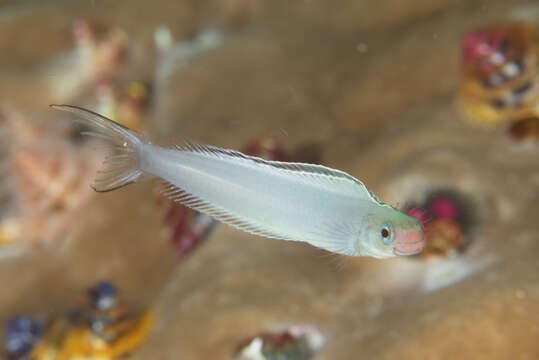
{"x": 409, "y": 242}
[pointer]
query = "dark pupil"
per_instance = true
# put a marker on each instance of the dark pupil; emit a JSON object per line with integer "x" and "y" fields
{"x": 385, "y": 233}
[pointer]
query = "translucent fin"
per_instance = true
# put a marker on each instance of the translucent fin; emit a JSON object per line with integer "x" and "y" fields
{"x": 121, "y": 166}
{"x": 335, "y": 237}
{"x": 176, "y": 194}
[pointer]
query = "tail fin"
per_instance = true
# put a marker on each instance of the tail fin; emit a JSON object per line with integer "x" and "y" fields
{"x": 121, "y": 167}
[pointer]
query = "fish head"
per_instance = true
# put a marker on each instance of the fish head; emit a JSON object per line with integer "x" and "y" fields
{"x": 389, "y": 232}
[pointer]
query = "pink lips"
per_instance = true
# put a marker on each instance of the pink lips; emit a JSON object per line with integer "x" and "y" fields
{"x": 409, "y": 242}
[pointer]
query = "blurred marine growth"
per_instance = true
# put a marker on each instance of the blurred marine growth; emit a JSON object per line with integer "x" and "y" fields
{"x": 434, "y": 105}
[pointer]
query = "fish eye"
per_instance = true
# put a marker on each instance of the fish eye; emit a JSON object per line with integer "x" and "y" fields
{"x": 386, "y": 232}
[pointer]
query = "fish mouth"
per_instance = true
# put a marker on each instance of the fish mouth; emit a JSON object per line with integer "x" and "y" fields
{"x": 409, "y": 242}
{"x": 409, "y": 248}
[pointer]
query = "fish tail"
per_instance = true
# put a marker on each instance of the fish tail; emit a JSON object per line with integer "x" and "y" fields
{"x": 121, "y": 166}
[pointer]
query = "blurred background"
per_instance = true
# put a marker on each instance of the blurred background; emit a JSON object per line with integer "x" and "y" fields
{"x": 432, "y": 103}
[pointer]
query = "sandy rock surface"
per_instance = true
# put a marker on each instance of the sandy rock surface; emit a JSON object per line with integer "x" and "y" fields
{"x": 371, "y": 83}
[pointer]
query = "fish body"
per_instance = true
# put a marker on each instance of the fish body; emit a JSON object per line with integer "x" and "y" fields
{"x": 324, "y": 207}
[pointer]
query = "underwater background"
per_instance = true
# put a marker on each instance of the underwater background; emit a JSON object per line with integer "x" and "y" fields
{"x": 386, "y": 90}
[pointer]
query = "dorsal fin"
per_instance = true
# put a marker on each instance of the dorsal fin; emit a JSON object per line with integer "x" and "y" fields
{"x": 312, "y": 173}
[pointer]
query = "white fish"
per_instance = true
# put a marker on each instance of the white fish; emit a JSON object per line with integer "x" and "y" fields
{"x": 326, "y": 208}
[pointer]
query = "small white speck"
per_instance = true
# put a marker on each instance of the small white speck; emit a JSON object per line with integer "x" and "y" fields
{"x": 511, "y": 70}
{"x": 163, "y": 37}
{"x": 497, "y": 58}
{"x": 520, "y": 294}
{"x": 253, "y": 351}
{"x": 362, "y": 48}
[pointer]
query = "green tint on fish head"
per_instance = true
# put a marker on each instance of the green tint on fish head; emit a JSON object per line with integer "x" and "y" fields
{"x": 388, "y": 232}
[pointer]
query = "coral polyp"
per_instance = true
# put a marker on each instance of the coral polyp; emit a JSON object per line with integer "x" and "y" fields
{"x": 447, "y": 219}
{"x": 294, "y": 343}
{"x": 48, "y": 178}
{"x": 105, "y": 328}
{"x": 525, "y": 128}
{"x": 500, "y": 73}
